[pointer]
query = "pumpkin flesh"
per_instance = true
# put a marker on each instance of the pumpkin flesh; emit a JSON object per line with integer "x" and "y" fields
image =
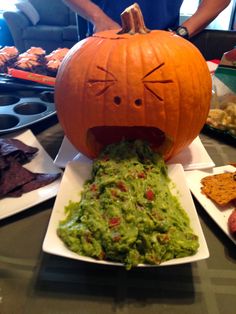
{"x": 104, "y": 136}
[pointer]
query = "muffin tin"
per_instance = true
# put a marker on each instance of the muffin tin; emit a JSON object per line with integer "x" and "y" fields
{"x": 23, "y": 105}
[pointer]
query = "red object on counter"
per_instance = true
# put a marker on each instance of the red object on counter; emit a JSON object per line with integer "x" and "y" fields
{"x": 216, "y": 61}
{"x": 42, "y": 79}
{"x": 212, "y": 65}
{"x": 232, "y": 223}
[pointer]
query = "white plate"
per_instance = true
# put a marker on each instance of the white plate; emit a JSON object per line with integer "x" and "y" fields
{"x": 43, "y": 163}
{"x": 218, "y": 214}
{"x": 75, "y": 174}
{"x": 193, "y": 157}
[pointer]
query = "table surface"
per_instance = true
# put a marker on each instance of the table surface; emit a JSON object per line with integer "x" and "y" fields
{"x": 32, "y": 281}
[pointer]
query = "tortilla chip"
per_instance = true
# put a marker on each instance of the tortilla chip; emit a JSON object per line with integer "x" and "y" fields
{"x": 14, "y": 176}
{"x": 221, "y": 188}
{"x": 40, "y": 180}
{"x": 3, "y": 163}
{"x": 17, "y": 150}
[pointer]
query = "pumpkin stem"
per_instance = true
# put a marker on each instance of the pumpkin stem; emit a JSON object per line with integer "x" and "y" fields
{"x": 132, "y": 21}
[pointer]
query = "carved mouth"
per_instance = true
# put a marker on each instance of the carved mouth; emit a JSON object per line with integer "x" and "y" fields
{"x": 106, "y": 135}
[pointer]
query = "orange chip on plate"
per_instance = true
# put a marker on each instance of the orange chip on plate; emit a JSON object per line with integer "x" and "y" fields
{"x": 221, "y": 188}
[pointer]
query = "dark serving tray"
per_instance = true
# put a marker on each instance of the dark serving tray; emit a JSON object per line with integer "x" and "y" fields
{"x": 221, "y": 135}
{"x": 23, "y": 104}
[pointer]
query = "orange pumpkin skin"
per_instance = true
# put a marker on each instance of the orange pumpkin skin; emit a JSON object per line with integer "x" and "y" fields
{"x": 112, "y": 86}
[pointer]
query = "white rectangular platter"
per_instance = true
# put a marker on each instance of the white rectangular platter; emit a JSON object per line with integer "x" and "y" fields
{"x": 42, "y": 163}
{"x": 76, "y": 173}
{"x": 192, "y": 157}
{"x": 218, "y": 214}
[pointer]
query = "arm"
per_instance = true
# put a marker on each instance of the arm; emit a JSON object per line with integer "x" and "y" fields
{"x": 205, "y": 14}
{"x": 92, "y": 13}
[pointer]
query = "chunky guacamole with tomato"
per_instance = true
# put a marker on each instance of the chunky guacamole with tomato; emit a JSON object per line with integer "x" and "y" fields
{"x": 127, "y": 212}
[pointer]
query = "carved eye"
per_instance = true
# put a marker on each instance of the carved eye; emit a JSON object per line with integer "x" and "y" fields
{"x": 106, "y": 83}
{"x": 117, "y": 100}
{"x": 151, "y": 83}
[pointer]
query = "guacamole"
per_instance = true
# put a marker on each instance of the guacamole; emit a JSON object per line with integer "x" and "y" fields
{"x": 127, "y": 213}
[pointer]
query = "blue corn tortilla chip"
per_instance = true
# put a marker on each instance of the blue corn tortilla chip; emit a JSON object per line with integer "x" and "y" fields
{"x": 14, "y": 176}
{"x": 3, "y": 163}
{"x": 17, "y": 150}
{"x": 40, "y": 180}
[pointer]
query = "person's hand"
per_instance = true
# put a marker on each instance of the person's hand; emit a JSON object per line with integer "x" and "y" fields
{"x": 105, "y": 24}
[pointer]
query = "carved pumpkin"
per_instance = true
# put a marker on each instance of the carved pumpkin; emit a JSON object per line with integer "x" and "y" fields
{"x": 137, "y": 83}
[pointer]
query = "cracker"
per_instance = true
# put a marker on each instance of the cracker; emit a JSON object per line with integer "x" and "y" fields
{"x": 221, "y": 188}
